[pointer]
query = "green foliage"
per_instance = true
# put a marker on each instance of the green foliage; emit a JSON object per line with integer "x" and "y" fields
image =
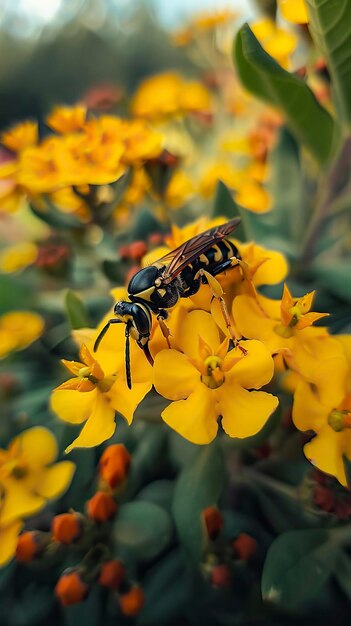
{"x": 265, "y": 78}
{"x": 224, "y": 204}
{"x": 141, "y": 531}
{"x": 329, "y": 25}
{"x": 199, "y": 486}
{"x": 76, "y": 312}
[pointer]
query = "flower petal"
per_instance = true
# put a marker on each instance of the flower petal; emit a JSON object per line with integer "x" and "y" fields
{"x": 55, "y": 480}
{"x": 325, "y": 451}
{"x": 198, "y": 324}
{"x": 99, "y": 427}
{"x": 244, "y": 413}
{"x": 72, "y": 406}
{"x": 195, "y": 418}
{"x": 254, "y": 369}
{"x": 8, "y": 541}
{"x": 174, "y": 376}
{"x": 19, "y": 501}
{"x": 38, "y": 446}
{"x": 125, "y": 400}
{"x": 308, "y": 412}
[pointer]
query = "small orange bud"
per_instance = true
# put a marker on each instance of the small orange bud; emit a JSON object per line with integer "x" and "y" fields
{"x": 244, "y": 546}
{"x": 70, "y": 588}
{"x": 213, "y": 521}
{"x": 131, "y": 602}
{"x": 124, "y": 252}
{"x": 66, "y": 528}
{"x": 137, "y": 249}
{"x": 30, "y": 545}
{"x": 111, "y": 574}
{"x": 114, "y": 465}
{"x": 101, "y": 507}
{"x": 221, "y": 576}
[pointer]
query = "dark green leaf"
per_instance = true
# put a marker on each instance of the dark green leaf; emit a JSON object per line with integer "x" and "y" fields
{"x": 76, "y": 311}
{"x": 198, "y": 487}
{"x": 297, "y": 566}
{"x": 12, "y": 298}
{"x": 330, "y": 27}
{"x": 335, "y": 277}
{"x": 167, "y": 589}
{"x": 141, "y": 531}
{"x": 148, "y": 457}
{"x": 159, "y": 492}
{"x": 263, "y": 76}
{"x": 225, "y": 205}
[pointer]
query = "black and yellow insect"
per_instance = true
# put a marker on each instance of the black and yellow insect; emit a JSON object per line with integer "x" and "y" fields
{"x": 178, "y": 274}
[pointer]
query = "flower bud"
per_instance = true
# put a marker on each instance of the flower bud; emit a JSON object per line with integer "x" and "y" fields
{"x": 66, "y": 528}
{"x": 137, "y": 249}
{"x": 220, "y": 576}
{"x": 244, "y": 546}
{"x": 213, "y": 521}
{"x": 30, "y": 545}
{"x": 132, "y": 601}
{"x": 111, "y": 574}
{"x": 101, "y": 507}
{"x": 70, "y": 588}
{"x": 114, "y": 465}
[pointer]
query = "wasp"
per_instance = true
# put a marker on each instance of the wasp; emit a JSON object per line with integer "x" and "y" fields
{"x": 178, "y": 274}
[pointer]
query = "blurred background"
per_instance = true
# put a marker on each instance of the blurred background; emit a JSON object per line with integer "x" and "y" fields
{"x": 55, "y": 51}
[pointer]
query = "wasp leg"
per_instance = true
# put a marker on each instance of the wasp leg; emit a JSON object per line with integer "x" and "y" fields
{"x": 102, "y": 334}
{"x": 226, "y": 265}
{"x": 163, "y": 326}
{"x": 218, "y": 292}
{"x": 127, "y": 357}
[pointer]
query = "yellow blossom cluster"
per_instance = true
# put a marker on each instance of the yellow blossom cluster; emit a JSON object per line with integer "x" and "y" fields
{"x": 29, "y": 477}
{"x": 82, "y": 152}
{"x": 212, "y": 379}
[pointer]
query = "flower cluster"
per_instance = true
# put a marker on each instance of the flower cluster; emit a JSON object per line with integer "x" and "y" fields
{"x": 29, "y": 477}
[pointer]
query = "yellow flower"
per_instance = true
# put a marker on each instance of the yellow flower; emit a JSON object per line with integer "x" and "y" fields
{"x": 168, "y": 94}
{"x": 69, "y": 202}
{"x": 280, "y": 325}
{"x": 18, "y": 329}
{"x": 179, "y": 190}
{"x": 322, "y": 403}
{"x": 21, "y": 136}
{"x": 209, "y": 21}
{"x": 8, "y": 540}
{"x": 221, "y": 170}
{"x": 294, "y": 11}
{"x": 252, "y": 196}
{"x": 278, "y": 42}
{"x": 66, "y": 119}
{"x": 41, "y": 167}
{"x": 28, "y": 475}
{"x": 141, "y": 142}
{"x": 17, "y": 257}
{"x": 205, "y": 381}
{"x": 99, "y": 388}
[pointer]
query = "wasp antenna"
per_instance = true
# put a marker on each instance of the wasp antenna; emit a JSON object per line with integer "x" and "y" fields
{"x": 148, "y": 354}
{"x": 127, "y": 356}
{"x": 103, "y": 332}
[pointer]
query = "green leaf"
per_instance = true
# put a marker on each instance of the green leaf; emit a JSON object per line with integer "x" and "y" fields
{"x": 330, "y": 27}
{"x": 335, "y": 277}
{"x": 141, "y": 531}
{"x": 297, "y": 566}
{"x": 76, "y": 311}
{"x": 263, "y": 76}
{"x": 198, "y": 487}
{"x": 167, "y": 589}
{"x": 225, "y": 205}
{"x": 159, "y": 492}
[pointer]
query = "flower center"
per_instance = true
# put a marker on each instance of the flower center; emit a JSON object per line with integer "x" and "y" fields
{"x": 339, "y": 420}
{"x": 214, "y": 376}
{"x": 284, "y": 331}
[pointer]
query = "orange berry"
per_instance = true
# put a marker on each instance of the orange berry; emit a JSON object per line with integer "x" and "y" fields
{"x": 221, "y": 576}
{"x": 70, "y": 588}
{"x": 101, "y": 507}
{"x": 244, "y": 546}
{"x": 66, "y": 528}
{"x": 111, "y": 574}
{"x": 114, "y": 464}
{"x": 29, "y": 545}
{"x": 137, "y": 249}
{"x": 131, "y": 602}
{"x": 124, "y": 252}
{"x": 213, "y": 521}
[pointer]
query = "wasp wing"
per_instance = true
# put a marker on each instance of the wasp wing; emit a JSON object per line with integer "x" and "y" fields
{"x": 179, "y": 258}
